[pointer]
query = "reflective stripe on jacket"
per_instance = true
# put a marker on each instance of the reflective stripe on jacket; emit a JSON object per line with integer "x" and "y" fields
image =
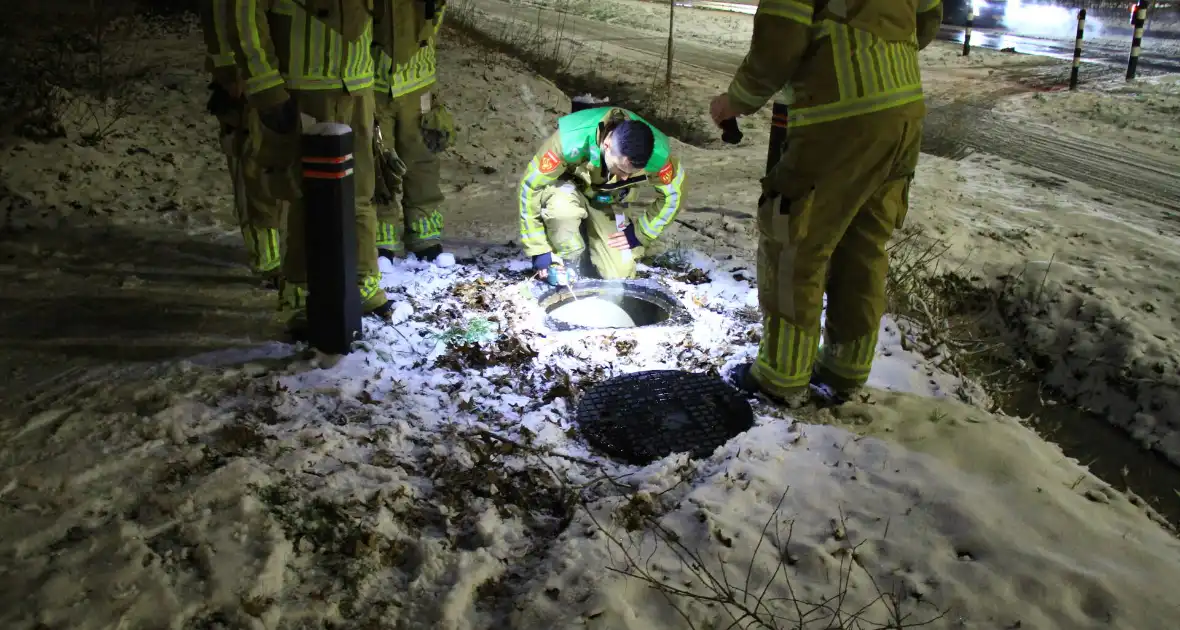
{"x": 219, "y": 57}
{"x": 280, "y": 47}
{"x": 852, "y": 58}
{"x": 413, "y": 74}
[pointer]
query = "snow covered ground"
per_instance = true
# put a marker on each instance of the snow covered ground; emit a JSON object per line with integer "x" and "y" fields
{"x": 195, "y": 474}
{"x": 1140, "y": 115}
{"x": 434, "y": 479}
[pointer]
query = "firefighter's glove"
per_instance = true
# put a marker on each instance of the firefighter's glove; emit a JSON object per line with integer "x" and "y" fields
{"x": 220, "y": 102}
{"x": 281, "y": 119}
{"x": 392, "y": 164}
{"x": 438, "y": 128}
{"x": 541, "y": 262}
{"x": 632, "y": 239}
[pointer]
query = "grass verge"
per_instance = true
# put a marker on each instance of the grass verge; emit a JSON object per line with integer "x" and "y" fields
{"x": 549, "y": 52}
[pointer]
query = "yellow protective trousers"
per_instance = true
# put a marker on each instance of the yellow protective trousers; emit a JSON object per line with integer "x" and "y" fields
{"x": 278, "y": 155}
{"x": 414, "y": 198}
{"x": 259, "y": 214}
{"x": 573, "y": 225}
{"x": 830, "y": 206}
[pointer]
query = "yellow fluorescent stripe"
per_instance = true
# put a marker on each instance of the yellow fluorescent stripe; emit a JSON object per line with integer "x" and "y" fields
{"x": 873, "y": 68}
{"x": 219, "y": 9}
{"x": 800, "y": 12}
{"x": 669, "y": 208}
{"x": 740, "y": 92}
{"x": 298, "y": 56}
{"x": 256, "y": 61}
{"x": 891, "y": 61}
{"x": 316, "y": 48}
{"x": 842, "y": 54}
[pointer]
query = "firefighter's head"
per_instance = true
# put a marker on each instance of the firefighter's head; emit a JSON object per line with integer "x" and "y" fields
{"x": 628, "y": 147}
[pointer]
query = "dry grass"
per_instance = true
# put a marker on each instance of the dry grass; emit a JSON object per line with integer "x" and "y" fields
{"x": 548, "y": 51}
{"x": 70, "y": 68}
{"x": 952, "y": 318}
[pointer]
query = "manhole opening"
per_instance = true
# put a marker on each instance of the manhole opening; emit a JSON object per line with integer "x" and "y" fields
{"x": 611, "y": 304}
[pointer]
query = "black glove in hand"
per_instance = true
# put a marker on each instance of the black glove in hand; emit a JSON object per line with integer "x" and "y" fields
{"x": 542, "y": 261}
{"x": 282, "y": 118}
{"x": 632, "y": 239}
{"x": 220, "y": 103}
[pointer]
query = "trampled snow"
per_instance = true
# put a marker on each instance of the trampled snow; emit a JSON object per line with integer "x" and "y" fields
{"x": 434, "y": 479}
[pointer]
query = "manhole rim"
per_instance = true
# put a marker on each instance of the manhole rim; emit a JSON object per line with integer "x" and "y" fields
{"x": 645, "y": 289}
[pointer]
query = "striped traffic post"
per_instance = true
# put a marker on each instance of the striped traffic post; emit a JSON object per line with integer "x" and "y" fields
{"x": 1077, "y": 50}
{"x": 334, "y": 299}
{"x": 967, "y": 32}
{"x": 1137, "y": 38}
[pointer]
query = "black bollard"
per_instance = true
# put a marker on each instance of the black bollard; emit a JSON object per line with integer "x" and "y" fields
{"x": 1077, "y": 50}
{"x": 967, "y": 32}
{"x": 334, "y": 299}
{"x": 1137, "y": 38}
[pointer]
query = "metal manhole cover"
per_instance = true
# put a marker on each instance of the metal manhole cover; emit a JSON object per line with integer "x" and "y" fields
{"x": 643, "y": 416}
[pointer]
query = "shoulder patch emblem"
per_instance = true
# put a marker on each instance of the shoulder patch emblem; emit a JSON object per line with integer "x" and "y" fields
{"x": 667, "y": 173}
{"x": 549, "y": 162}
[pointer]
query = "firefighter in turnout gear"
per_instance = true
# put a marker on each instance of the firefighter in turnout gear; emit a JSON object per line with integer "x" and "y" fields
{"x": 412, "y": 128}
{"x": 569, "y": 193}
{"x": 310, "y": 59}
{"x": 259, "y": 214}
{"x": 842, "y": 185}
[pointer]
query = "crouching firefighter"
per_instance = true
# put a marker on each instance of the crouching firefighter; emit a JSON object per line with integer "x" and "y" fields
{"x": 574, "y": 189}
{"x": 259, "y": 214}
{"x": 841, "y": 188}
{"x": 412, "y": 128}
{"x": 310, "y": 59}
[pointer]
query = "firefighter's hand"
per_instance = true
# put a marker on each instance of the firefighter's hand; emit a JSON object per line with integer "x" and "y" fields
{"x": 626, "y": 239}
{"x": 282, "y": 118}
{"x": 619, "y": 241}
{"x": 236, "y": 89}
{"x": 721, "y": 109}
{"x": 541, "y": 264}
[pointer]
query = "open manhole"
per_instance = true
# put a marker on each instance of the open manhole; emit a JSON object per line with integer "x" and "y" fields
{"x": 592, "y": 304}
{"x": 640, "y": 417}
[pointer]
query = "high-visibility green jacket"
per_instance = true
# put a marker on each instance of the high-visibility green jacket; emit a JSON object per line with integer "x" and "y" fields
{"x": 840, "y": 58}
{"x": 410, "y": 65}
{"x": 279, "y": 46}
{"x": 574, "y": 154}
{"x": 219, "y": 54}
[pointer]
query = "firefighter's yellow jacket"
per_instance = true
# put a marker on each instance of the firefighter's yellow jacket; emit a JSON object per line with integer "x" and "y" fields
{"x": 282, "y": 45}
{"x": 219, "y": 54}
{"x": 406, "y": 64}
{"x": 839, "y": 58}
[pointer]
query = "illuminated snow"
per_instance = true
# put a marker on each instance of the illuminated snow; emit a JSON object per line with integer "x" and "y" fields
{"x": 594, "y": 312}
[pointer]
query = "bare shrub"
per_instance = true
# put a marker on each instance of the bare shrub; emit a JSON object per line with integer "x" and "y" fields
{"x": 71, "y": 68}
{"x": 537, "y": 37}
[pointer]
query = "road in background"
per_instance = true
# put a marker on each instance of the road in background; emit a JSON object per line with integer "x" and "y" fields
{"x": 952, "y": 130}
{"x": 1106, "y": 50}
